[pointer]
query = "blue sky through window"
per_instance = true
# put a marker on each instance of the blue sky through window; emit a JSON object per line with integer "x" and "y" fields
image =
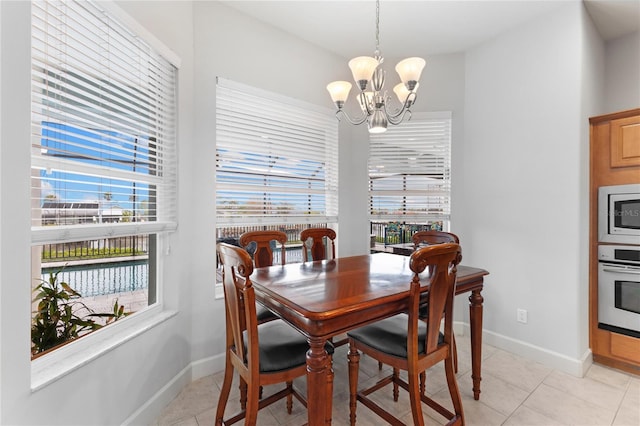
{"x": 103, "y": 148}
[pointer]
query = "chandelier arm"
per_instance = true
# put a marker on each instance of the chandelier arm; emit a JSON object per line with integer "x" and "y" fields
{"x": 410, "y": 100}
{"x": 393, "y": 115}
{"x": 399, "y": 118}
{"x": 355, "y": 122}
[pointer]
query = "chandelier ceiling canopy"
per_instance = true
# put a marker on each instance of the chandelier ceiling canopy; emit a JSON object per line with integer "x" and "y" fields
{"x": 373, "y": 99}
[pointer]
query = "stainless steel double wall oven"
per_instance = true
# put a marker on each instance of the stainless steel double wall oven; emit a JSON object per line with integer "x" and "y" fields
{"x": 619, "y": 259}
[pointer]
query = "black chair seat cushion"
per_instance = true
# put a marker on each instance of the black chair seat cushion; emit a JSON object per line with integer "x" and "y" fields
{"x": 282, "y": 347}
{"x": 263, "y": 314}
{"x": 390, "y": 335}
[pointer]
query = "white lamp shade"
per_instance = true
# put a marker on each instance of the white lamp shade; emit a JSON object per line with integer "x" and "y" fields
{"x": 363, "y": 67}
{"x": 410, "y": 69}
{"x": 339, "y": 90}
{"x": 402, "y": 92}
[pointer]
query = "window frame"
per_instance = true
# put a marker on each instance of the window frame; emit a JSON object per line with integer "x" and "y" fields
{"x": 62, "y": 360}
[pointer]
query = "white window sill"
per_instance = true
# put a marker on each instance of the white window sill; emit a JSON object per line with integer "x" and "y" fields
{"x": 62, "y": 361}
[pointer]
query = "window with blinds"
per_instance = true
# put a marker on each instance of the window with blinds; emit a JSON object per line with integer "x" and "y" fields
{"x": 103, "y": 127}
{"x": 276, "y": 159}
{"x": 103, "y": 160}
{"x": 410, "y": 171}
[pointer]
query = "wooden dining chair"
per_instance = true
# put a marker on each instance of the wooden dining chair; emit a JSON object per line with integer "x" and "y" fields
{"x": 437, "y": 237}
{"x": 319, "y": 239}
{"x": 410, "y": 343}
{"x": 262, "y": 354}
{"x": 259, "y": 243}
{"x": 419, "y": 239}
{"x": 433, "y": 237}
{"x": 317, "y": 250}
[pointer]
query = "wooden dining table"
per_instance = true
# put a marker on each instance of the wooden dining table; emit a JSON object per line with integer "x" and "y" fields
{"x": 326, "y": 298}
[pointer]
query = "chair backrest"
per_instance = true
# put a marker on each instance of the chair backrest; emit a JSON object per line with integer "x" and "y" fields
{"x": 263, "y": 254}
{"x": 433, "y": 237}
{"x": 441, "y": 260}
{"x": 239, "y": 299}
{"x": 318, "y": 248}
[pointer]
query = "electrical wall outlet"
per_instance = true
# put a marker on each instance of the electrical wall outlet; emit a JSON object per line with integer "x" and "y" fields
{"x": 521, "y": 315}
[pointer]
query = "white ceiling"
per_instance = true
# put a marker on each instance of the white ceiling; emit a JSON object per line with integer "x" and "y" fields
{"x": 347, "y": 27}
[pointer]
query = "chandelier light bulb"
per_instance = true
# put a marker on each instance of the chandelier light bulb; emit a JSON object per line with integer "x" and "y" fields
{"x": 339, "y": 91}
{"x": 402, "y": 92}
{"x": 410, "y": 70}
{"x": 362, "y": 69}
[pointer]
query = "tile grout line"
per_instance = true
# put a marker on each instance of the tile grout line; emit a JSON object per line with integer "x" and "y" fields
{"x": 529, "y": 396}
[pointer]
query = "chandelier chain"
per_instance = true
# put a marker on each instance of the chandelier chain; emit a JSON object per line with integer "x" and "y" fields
{"x": 377, "y": 28}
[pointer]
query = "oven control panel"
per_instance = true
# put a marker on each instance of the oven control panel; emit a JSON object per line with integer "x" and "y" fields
{"x": 629, "y": 255}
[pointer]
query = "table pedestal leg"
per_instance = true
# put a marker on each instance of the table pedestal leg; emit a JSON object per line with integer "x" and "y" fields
{"x": 475, "y": 317}
{"x": 319, "y": 384}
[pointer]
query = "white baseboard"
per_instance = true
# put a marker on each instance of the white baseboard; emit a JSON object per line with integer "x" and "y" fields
{"x": 207, "y": 366}
{"x": 574, "y": 366}
{"x": 148, "y": 413}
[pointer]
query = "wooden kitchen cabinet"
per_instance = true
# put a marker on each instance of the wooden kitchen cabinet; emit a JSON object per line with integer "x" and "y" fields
{"x": 614, "y": 160}
{"x": 625, "y": 142}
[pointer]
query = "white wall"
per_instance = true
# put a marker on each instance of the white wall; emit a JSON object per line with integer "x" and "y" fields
{"x": 14, "y": 245}
{"x": 622, "y": 73}
{"x": 109, "y": 389}
{"x": 1, "y": 180}
{"x": 524, "y": 186}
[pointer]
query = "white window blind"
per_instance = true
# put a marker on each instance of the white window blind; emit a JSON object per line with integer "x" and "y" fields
{"x": 276, "y": 158}
{"x": 103, "y": 127}
{"x": 409, "y": 170}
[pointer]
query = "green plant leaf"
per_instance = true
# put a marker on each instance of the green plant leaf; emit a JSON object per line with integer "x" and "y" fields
{"x": 70, "y": 290}
{"x": 60, "y": 317}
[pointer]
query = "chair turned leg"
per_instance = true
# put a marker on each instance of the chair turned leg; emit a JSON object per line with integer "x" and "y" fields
{"x": 396, "y": 374}
{"x": 224, "y": 393}
{"x": 289, "y": 397}
{"x": 453, "y": 391}
{"x": 379, "y": 366}
{"x": 354, "y": 360}
{"x": 423, "y": 382}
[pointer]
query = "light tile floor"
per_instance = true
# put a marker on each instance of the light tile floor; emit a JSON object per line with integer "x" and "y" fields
{"x": 515, "y": 391}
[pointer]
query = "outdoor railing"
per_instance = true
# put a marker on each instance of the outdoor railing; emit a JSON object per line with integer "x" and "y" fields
{"x": 135, "y": 245}
{"x": 230, "y": 234}
{"x": 388, "y": 233}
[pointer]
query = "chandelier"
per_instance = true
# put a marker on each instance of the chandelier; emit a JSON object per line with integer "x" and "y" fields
{"x": 374, "y": 103}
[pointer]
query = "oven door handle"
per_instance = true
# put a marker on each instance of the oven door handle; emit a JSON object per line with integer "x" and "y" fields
{"x": 622, "y": 270}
